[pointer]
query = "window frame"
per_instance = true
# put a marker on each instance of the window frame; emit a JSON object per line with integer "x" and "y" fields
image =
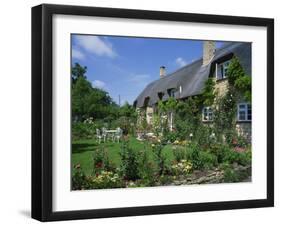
{"x": 222, "y": 66}
{"x": 246, "y": 110}
{"x": 172, "y": 92}
{"x": 208, "y": 108}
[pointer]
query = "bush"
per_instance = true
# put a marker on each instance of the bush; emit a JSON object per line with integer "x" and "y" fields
{"x": 146, "y": 170}
{"x": 232, "y": 175}
{"x": 79, "y": 180}
{"x": 107, "y": 179}
{"x": 82, "y": 130}
{"x": 169, "y": 137}
{"x": 101, "y": 160}
{"x": 193, "y": 154}
{"x": 183, "y": 167}
{"x": 125, "y": 123}
{"x": 227, "y": 154}
{"x": 159, "y": 157}
{"x": 86, "y": 129}
{"x": 129, "y": 162}
{"x": 204, "y": 136}
{"x": 209, "y": 160}
{"x": 179, "y": 153}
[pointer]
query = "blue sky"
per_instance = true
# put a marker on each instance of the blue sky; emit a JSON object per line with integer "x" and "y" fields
{"x": 124, "y": 65}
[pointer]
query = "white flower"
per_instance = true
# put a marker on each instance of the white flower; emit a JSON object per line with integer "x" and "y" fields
{"x": 213, "y": 135}
{"x": 191, "y": 135}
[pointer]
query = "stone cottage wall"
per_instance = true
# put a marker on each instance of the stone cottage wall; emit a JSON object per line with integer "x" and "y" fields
{"x": 243, "y": 128}
{"x": 149, "y": 115}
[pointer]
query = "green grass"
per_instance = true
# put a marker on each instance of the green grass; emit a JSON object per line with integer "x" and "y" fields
{"x": 82, "y": 152}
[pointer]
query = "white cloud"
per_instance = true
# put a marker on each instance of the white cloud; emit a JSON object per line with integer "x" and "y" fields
{"x": 180, "y": 62}
{"x": 96, "y": 45}
{"x": 99, "y": 84}
{"x": 77, "y": 54}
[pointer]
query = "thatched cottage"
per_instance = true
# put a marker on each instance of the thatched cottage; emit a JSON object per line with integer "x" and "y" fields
{"x": 190, "y": 80}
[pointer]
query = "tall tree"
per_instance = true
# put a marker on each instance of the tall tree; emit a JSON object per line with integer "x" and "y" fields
{"x": 78, "y": 71}
{"x": 81, "y": 90}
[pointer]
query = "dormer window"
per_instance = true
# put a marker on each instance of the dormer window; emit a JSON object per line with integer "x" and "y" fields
{"x": 160, "y": 95}
{"x": 172, "y": 92}
{"x": 146, "y": 101}
{"x": 222, "y": 69}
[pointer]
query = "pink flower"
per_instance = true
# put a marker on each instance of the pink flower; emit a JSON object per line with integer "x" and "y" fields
{"x": 239, "y": 149}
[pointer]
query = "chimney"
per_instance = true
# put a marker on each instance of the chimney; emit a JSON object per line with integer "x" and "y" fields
{"x": 208, "y": 51}
{"x": 162, "y": 71}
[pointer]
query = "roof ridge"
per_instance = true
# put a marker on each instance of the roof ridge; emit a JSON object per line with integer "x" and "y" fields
{"x": 179, "y": 69}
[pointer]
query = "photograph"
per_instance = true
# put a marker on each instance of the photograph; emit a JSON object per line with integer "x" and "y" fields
{"x": 151, "y": 112}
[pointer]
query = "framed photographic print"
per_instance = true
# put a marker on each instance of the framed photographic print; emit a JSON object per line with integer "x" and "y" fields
{"x": 146, "y": 112}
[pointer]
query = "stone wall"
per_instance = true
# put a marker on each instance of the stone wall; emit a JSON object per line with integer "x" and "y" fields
{"x": 149, "y": 115}
{"x": 221, "y": 86}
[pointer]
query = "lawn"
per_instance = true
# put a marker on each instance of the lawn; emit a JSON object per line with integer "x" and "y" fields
{"x": 82, "y": 152}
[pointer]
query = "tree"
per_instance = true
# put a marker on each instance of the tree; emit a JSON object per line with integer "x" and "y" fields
{"x": 100, "y": 105}
{"x": 127, "y": 110}
{"x": 88, "y": 101}
{"x": 78, "y": 71}
{"x": 81, "y": 90}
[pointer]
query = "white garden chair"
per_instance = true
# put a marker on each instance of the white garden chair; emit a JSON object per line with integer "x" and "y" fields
{"x": 98, "y": 135}
{"x": 104, "y": 134}
{"x": 118, "y": 134}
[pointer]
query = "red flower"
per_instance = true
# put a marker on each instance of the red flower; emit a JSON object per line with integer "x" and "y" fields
{"x": 99, "y": 165}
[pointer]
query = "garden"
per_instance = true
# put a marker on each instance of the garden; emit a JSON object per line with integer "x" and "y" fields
{"x": 114, "y": 147}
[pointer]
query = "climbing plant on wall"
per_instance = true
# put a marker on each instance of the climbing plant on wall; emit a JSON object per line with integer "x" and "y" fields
{"x": 239, "y": 87}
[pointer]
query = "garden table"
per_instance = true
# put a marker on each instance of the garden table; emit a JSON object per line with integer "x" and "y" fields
{"x": 111, "y": 133}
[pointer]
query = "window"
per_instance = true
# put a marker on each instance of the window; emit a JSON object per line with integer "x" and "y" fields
{"x": 222, "y": 69}
{"x": 207, "y": 114}
{"x": 172, "y": 92}
{"x": 244, "y": 112}
{"x": 160, "y": 95}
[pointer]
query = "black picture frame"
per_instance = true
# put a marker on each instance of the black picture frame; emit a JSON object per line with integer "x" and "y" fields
{"x": 42, "y": 111}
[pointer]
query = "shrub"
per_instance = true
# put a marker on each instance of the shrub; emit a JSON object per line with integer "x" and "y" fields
{"x": 219, "y": 150}
{"x": 229, "y": 155}
{"x": 201, "y": 159}
{"x": 230, "y": 175}
{"x": 204, "y": 136}
{"x": 146, "y": 169}
{"x": 179, "y": 153}
{"x": 106, "y": 179}
{"x": 79, "y": 180}
{"x": 234, "y": 175}
{"x": 148, "y": 174}
{"x": 159, "y": 157}
{"x": 169, "y": 137}
{"x": 101, "y": 160}
{"x": 82, "y": 130}
{"x": 183, "y": 167}
{"x": 209, "y": 160}
{"x": 193, "y": 154}
{"x": 129, "y": 162}
{"x": 86, "y": 129}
